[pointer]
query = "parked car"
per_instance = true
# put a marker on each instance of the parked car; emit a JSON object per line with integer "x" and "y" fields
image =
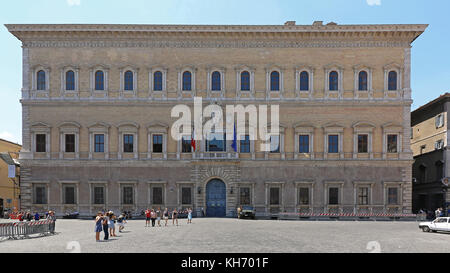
{"x": 71, "y": 215}
{"x": 439, "y": 224}
{"x": 247, "y": 212}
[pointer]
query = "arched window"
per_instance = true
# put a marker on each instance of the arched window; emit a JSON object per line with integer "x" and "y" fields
{"x": 187, "y": 81}
{"x": 70, "y": 80}
{"x": 215, "y": 81}
{"x": 304, "y": 81}
{"x": 128, "y": 80}
{"x": 157, "y": 81}
{"x": 362, "y": 81}
{"x": 392, "y": 80}
{"x": 41, "y": 80}
{"x": 275, "y": 81}
{"x": 245, "y": 81}
{"x": 99, "y": 80}
{"x": 333, "y": 81}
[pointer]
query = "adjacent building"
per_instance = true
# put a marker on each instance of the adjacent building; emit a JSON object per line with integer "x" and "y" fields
{"x": 96, "y": 105}
{"x": 9, "y": 176}
{"x": 429, "y": 140}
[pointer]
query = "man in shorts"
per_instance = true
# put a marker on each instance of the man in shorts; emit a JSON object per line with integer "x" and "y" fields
{"x": 147, "y": 217}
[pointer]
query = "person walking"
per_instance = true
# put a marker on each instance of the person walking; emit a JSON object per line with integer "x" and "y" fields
{"x": 174, "y": 216}
{"x": 98, "y": 226}
{"x": 158, "y": 216}
{"x": 153, "y": 217}
{"x": 166, "y": 216}
{"x": 189, "y": 217}
{"x": 51, "y": 216}
{"x": 36, "y": 216}
{"x": 121, "y": 222}
{"x": 239, "y": 209}
{"x": 203, "y": 212}
{"x": 147, "y": 217}
{"x": 105, "y": 226}
{"x": 437, "y": 213}
{"x": 111, "y": 224}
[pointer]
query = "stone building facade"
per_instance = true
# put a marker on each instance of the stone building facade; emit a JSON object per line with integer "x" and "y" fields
{"x": 429, "y": 140}
{"x": 96, "y": 103}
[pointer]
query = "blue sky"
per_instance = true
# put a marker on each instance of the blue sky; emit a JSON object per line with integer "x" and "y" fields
{"x": 430, "y": 54}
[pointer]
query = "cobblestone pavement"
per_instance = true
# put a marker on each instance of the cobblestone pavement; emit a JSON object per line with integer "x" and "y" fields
{"x": 233, "y": 235}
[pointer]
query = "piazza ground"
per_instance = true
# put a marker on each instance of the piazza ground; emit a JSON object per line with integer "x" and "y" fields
{"x": 233, "y": 235}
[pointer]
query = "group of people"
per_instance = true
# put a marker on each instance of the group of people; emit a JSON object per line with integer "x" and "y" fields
{"x": 156, "y": 215}
{"x": 28, "y": 216}
{"x": 106, "y": 222}
{"x": 430, "y": 214}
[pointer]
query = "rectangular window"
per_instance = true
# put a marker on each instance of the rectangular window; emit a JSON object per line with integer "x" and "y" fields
{"x": 333, "y": 143}
{"x": 69, "y": 195}
{"x": 303, "y": 196}
{"x": 127, "y": 195}
{"x": 274, "y": 196}
{"x": 99, "y": 195}
{"x": 216, "y": 143}
{"x": 40, "y": 143}
{"x": 245, "y": 144}
{"x": 439, "y": 144}
{"x": 70, "y": 143}
{"x": 186, "y": 195}
{"x": 275, "y": 144}
{"x": 40, "y": 195}
{"x": 244, "y": 196}
{"x": 186, "y": 144}
{"x": 363, "y": 196}
{"x": 157, "y": 143}
{"x": 439, "y": 120}
{"x": 127, "y": 143}
{"x": 99, "y": 145}
{"x": 392, "y": 196}
{"x": 157, "y": 195}
{"x": 303, "y": 143}
{"x": 363, "y": 143}
{"x": 333, "y": 196}
{"x": 392, "y": 143}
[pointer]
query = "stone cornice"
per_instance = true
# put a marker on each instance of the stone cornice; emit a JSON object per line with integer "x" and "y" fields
{"x": 213, "y": 28}
{"x": 203, "y": 36}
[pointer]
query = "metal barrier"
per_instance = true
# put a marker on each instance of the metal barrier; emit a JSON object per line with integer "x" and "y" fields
{"x": 19, "y": 230}
{"x": 287, "y": 215}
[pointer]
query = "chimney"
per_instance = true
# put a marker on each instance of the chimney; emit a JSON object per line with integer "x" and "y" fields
{"x": 318, "y": 23}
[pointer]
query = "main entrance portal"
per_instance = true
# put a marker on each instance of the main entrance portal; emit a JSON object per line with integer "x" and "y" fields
{"x": 216, "y": 198}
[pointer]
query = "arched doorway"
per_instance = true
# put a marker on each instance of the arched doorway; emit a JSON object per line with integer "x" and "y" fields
{"x": 216, "y": 198}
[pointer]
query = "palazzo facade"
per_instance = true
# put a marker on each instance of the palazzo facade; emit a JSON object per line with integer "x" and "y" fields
{"x": 96, "y": 112}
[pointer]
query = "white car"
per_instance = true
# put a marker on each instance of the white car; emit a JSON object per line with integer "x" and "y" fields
{"x": 439, "y": 224}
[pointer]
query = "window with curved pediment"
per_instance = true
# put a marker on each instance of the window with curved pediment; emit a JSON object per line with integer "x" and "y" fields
{"x": 187, "y": 81}
{"x": 41, "y": 83}
{"x": 304, "y": 81}
{"x": 215, "y": 81}
{"x": 158, "y": 81}
{"x": 70, "y": 80}
{"x": 128, "y": 81}
{"x": 245, "y": 81}
{"x": 99, "y": 80}
{"x": 362, "y": 81}
{"x": 275, "y": 81}
{"x": 333, "y": 81}
{"x": 392, "y": 80}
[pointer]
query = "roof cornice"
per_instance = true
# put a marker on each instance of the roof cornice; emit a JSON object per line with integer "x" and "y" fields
{"x": 216, "y": 28}
{"x": 30, "y": 31}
